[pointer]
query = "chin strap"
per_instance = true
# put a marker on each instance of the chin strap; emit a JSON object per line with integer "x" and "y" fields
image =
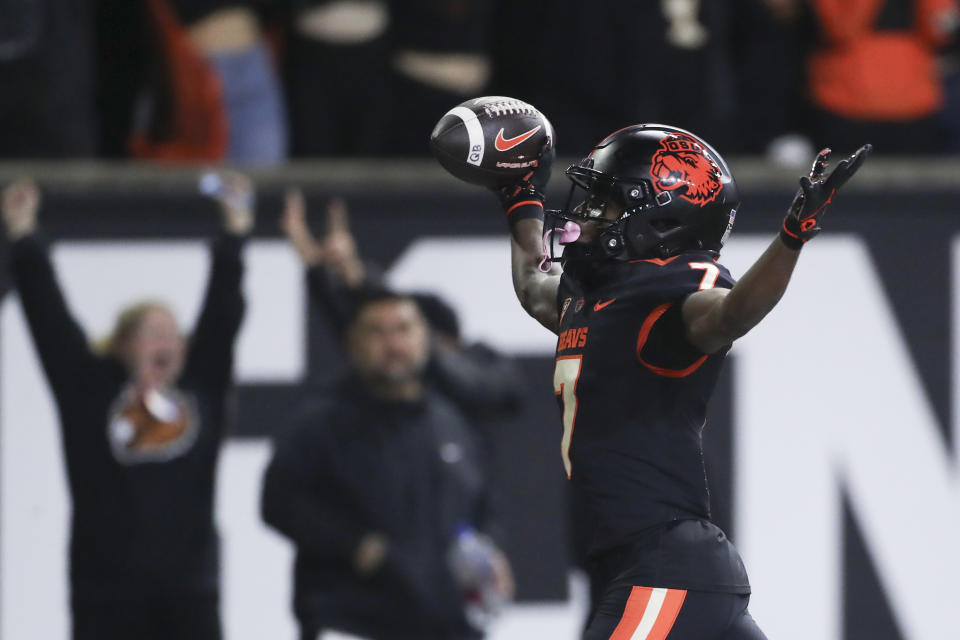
{"x": 569, "y": 233}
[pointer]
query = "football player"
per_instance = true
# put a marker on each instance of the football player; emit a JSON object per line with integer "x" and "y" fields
{"x": 645, "y": 314}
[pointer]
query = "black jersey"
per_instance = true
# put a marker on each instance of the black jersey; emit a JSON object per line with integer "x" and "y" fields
{"x": 634, "y": 394}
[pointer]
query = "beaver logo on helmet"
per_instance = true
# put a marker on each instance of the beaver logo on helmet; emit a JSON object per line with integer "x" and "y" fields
{"x": 682, "y": 165}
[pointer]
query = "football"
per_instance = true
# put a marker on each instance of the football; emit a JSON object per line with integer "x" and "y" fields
{"x": 490, "y": 141}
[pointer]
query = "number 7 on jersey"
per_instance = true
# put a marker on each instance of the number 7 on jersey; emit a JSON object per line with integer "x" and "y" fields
{"x": 565, "y": 377}
{"x": 710, "y": 273}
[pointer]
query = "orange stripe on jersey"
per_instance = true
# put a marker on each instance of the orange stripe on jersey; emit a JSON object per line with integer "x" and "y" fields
{"x": 657, "y": 261}
{"x": 645, "y": 330}
{"x": 632, "y": 613}
{"x": 649, "y": 614}
{"x": 668, "y": 614}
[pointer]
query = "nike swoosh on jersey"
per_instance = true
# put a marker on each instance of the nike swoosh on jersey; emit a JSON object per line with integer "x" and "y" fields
{"x": 603, "y": 305}
{"x": 505, "y": 144}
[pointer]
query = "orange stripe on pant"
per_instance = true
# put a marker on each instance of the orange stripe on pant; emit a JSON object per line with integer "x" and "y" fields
{"x": 649, "y": 614}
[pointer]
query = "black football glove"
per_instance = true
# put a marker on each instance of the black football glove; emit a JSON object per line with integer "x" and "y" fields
{"x": 802, "y": 221}
{"x": 529, "y": 188}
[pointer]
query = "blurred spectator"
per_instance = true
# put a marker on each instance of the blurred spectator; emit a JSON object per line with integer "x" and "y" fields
{"x": 337, "y": 76}
{"x": 874, "y": 77}
{"x": 766, "y": 43}
{"x": 372, "y": 487}
{"x": 950, "y": 67}
{"x": 439, "y": 58}
{"x": 142, "y": 419}
{"x": 126, "y": 49}
{"x": 632, "y": 62}
{"x": 46, "y": 79}
{"x": 484, "y": 384}
{"x": 227, "y": 34}
{"x": 373, "y": 76}
{"x": 206, "y": 86}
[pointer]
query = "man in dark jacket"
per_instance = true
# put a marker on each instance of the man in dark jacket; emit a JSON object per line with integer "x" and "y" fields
{"x": 372, "y": 485}
{"x": 485, "y": 385}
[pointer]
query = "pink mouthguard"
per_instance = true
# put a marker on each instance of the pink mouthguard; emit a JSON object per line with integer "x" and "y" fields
{"x": 568, "y": 234}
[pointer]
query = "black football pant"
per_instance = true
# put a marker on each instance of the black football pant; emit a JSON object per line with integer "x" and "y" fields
{"x": 159, "y": 618}
{"x": 645, "y": 613}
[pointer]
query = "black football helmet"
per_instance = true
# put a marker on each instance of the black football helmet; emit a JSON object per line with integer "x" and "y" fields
{"x": 672, "y": 190}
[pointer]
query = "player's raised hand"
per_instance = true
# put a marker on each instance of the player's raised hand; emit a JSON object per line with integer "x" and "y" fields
{"x": 294, "y": 224}
{"x": 531, "y": 185}
{"x": 816, "y": 192}
{"x": 19, "y": 203}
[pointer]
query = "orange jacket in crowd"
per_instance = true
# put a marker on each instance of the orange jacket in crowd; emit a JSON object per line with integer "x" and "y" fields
{"x": 863, "y": 73}
{"x": 196, "y": 125}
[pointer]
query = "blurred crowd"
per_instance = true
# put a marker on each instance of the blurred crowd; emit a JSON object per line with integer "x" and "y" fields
{"x": 381, "y": 480}
{"x": 256, "y": 82}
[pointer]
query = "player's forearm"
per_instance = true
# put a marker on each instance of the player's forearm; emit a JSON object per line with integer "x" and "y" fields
{"x": 536, "y": 291}
{"x": 715, "y": 318}
{"x": 532, "y": 289}
{"x": 758, "y": 291}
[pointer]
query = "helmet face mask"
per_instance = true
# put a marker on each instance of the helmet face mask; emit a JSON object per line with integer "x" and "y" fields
{"x": 593, "y": 207}
{"x": 655, "y": 191}
{"x": 592, "y": 210}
